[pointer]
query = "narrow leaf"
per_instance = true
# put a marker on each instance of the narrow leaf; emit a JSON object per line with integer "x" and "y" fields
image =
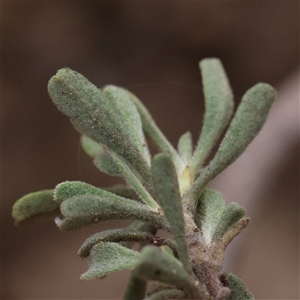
{"x": 138, "y": 225}
{"x": 154, "y": 133}
{"x": 134, "y": 181}
{"x": 120, "y": 235}
{"x": 136, "y": 288}
{"x": 106, "y": 258}
{"x": 232, "y": 213}
{"x": 90, "y": 147}
{"x": 247, "y": 122}
{"x": 158, "y": 265}
{"x": 238, "y": 289}
{"x": 85, "y": 210}
{"x": 166, "y": 186}
{"x": 185, "y": 148}
{"x": 208, "y": 213}
{"x": 122, "y": 190}
{"x": 97, "y": 116}
{"x": 218, "y": 108}
{"x": 130, "y": 117}
{"x": 105, "y": 163}
{"x": 35, "y": 206}
{"x": 230, "y": 234}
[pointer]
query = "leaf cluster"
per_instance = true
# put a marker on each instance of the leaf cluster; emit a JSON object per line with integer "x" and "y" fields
{"x": 167, "y": 191}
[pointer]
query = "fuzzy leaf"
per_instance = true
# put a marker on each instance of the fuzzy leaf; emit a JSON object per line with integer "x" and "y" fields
{"x": 135, "y": 182}
{"x": 238, "y": 289}
{"x": 232, "y": 213}
{"x": 168, "y": 294}
{"x": 85, "y": 210}
{"x": 154, "y": 133}
{"x": 106, "y": 258}
{"x": 90, "y": 147}
{"x": 105, "y": 163}
{"x": 229, "y": 235}
{"x": 185, "y": 148}
{"x": 136, "y": 288}
{"x": 158, "y": 265}
{"x": 120, "y": 235}
{"x": 35, "y": 206}
{"x": 69, "y": 189}
{"x": 247, "y": 122}
{"x": 122, "y": 190}
{"x": 138, "y": 225}
{"x": 208, "y": 213}
{"x": 130, "y": 117}
{"x": 218, "y": 108}
{"x": 97, "y": 116}
{"x": 166, "y": 186}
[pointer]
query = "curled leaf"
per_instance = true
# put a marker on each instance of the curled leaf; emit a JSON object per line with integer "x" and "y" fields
{"x": 232, "y": 213}
{"x": 230, "y": 234}
{"x": 88, "y": 209}
{"x": 35, "y": 206}
{"x": 106, "y": 258}
{"x": 120, "y": 235}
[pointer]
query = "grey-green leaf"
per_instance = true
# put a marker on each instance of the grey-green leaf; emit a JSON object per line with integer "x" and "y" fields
{"x": 166, "y": 186}
{"x": 90, "y": 147}
{"x": 134, "y": 181}
{"x": 247, "y": 122}
{"x": 218, "y": 108}
{"x": 168, "y": 294}
{"x": 105, "y": 163}
{"x": 97, "y": 116}
{"x": 130, "y": 117}
{"x": 106, "y": 258}
{"x": 34, "y": 206}
{"x": 154, "y": 133}
{"x": 158, "y": 265}
{"x": 232, "y": 213}
{"x": 136, "y": 288}
{"x": 185, "y": 148}
{"x": 208, "y": 213}
{"x": 229, "y": 235}
{"x": 85, "y": 210}
{"x": 120, "y": 235}
{"x": 238, "y": 289}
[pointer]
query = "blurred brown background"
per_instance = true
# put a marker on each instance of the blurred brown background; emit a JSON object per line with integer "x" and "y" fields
{"x": 151, "y": 48}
